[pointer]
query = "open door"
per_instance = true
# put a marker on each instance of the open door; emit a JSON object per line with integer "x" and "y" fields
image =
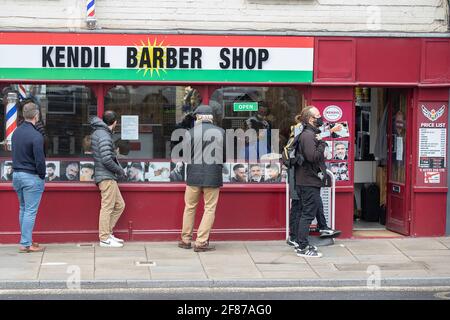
{"x": 399, "y": 166}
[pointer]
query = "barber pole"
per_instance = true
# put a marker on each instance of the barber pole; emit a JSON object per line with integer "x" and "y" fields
{"x": 11, "y": 118}
{"x": 23, "y": 92}
{"x": 90, "y": 9}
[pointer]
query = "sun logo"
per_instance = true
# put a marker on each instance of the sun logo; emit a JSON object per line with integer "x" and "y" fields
{"x": 152, "y": 57}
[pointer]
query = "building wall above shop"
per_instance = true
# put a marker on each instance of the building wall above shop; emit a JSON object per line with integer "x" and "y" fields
{"x": 232, "y": 15}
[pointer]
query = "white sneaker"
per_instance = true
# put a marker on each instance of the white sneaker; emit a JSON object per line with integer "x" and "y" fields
{"x": 110, "y": 243}
{"x": 116, "y": 239}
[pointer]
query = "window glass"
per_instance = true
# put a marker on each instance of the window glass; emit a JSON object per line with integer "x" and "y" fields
{"x": 65, "y": 111}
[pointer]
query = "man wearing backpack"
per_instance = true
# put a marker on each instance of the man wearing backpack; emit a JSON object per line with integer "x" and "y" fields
{"x": 310, "y": 176}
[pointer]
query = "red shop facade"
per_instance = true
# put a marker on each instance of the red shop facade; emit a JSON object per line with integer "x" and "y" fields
{"x": 393, "y": 90}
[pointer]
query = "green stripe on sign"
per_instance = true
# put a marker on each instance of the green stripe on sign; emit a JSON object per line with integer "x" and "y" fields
{"x": 169, "y": 75}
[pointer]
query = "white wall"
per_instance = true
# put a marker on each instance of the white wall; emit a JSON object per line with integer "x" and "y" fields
{"x": 231, "y": 15}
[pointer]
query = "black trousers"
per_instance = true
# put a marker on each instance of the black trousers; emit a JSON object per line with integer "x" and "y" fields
{"x": 311, "y": 207}
{"x": 296, "y": 212}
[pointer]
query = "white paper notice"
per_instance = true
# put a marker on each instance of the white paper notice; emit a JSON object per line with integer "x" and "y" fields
{"x": 399, "y": 153}
{"x": 130, "y": 128}
{"x": 432, "y": 142}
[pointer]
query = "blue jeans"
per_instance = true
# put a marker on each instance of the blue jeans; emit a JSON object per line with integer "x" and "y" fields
{"x": 29, "y": 188}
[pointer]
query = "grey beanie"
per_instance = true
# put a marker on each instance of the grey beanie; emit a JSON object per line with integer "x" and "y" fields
{"x": 203, "y": 109}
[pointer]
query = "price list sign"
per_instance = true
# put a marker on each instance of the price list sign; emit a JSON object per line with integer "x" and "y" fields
{"x": 432, "y": 148}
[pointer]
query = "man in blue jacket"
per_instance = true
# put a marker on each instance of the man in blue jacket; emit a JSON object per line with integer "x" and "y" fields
{"x": 29, "y": 174}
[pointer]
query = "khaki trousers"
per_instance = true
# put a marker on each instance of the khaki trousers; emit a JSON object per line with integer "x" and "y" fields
{"x": 191, "y": 198}
{"x": 112, "y": 207}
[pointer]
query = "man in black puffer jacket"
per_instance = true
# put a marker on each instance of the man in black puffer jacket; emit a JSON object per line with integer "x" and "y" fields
{"x": 204, "y": 174}
{"x": 107, "y": 172}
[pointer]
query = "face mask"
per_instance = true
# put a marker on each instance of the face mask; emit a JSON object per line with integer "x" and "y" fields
{"x": 318, "y": 122}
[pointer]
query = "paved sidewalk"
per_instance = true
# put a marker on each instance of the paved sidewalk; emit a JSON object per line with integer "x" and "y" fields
{"x": 420, "y": 261}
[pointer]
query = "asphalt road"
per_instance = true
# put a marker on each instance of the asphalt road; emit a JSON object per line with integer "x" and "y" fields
{"x": 236, "y": 294}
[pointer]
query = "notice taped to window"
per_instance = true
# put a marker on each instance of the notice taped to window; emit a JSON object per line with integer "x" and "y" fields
{"x": 432, "y": 148}
{"x": 130, "y": 128}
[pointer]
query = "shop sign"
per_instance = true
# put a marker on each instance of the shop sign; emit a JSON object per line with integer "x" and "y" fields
{"x": 140, "y": 57}
{"x": 245, "y": 106}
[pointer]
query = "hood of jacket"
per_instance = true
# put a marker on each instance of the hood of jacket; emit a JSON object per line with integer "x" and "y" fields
{"x": 97, "y": 123}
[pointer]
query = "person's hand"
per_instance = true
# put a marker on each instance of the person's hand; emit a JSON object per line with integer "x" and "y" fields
{"x": 336, "y": 128}
{"x": 318, "y": 137}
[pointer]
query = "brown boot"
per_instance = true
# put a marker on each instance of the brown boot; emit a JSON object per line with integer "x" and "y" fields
{"x": 203, "y": 247}
{"x": 184, "y": 245}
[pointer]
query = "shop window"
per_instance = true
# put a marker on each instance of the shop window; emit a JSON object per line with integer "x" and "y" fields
{"x": 271, "y": 115}
{"x": 65, "y": 112}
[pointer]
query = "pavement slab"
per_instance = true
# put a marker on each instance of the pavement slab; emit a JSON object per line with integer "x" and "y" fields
{"x": 414, "y": 244}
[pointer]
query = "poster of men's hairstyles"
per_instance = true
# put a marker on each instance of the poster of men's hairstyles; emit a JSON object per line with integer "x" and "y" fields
{"x": 328, "y": 153}
{"x": 256, "y": 173}
{"x": 339, "y": 129}
{"x": 273, "y": 173}
{"x": 177, "y": 172}
{"x": 52, "y": 171}
{"x": 158, "y": 172}
{"x": 70, "y": 171}
{"x": 340, "y": 170}
{"x": 226, "y": 172}
{"x": 340, "y": 150}
{"x": 87, "y": 171}
{"x": 7, "y": 171}
{"x": 135, "y": 171}
{"x": 124, "y": 166}
{"x": 239, "y": 172}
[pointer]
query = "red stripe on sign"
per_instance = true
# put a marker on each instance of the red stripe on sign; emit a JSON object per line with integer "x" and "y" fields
{"x": 103, "y": 39}
{"x": 11, "y": 128}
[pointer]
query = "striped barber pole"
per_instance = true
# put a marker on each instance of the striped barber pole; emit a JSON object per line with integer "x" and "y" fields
{"x": 11, "y": 116}
{"x": 23, "y": 92}
{"x": 90, "y": 7}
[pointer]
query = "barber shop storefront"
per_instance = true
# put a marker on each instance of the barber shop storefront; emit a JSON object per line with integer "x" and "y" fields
{"x": 384, "y": 102}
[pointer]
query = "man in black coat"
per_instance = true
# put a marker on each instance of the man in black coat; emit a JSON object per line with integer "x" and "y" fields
{"x": 204, "y": 175}
{"x": 310, "y": 177}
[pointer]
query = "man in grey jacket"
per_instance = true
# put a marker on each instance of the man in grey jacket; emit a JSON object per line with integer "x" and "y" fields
{"x": 204, "y": 175}
{"x": 107, "y": 172}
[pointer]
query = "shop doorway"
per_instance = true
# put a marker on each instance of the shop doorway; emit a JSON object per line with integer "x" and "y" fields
{"x": 382, "y": 168}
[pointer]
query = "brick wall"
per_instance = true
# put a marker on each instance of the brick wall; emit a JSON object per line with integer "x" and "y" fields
{"x": 231, "y": 15}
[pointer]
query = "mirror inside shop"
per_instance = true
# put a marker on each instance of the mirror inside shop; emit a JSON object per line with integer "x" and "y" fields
{"x": 380, "y": 148}
{"x": 148, "y": 116}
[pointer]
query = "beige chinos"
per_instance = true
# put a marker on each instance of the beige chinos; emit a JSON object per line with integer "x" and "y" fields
{"x": 111, "y": 208}
{"x": 191, "y": 198}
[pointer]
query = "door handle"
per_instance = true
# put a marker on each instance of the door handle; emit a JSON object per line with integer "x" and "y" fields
{"x": 396, "y": 189}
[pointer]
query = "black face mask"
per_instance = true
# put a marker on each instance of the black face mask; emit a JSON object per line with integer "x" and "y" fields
{"x": 318, "y": 122}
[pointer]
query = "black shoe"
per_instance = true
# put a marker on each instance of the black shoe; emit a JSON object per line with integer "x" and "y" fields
{"x": 329, "y": 233}
{"x": 292, "y": 242}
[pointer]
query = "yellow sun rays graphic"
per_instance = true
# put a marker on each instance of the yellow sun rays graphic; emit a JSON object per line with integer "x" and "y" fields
{"x": 152, "y": 66}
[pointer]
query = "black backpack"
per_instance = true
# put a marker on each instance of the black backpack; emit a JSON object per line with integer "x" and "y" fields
{"x": 292, "y": 154}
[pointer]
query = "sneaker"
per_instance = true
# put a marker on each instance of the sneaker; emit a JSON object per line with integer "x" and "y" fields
{"x": 329, "y": 233}
{"x": 116, "y": 239}
{"x": 309, "y": 252}
{"x": 297, "y": 247}
{"x": 110, "y": 243}
{"x": 290, "y": 241}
